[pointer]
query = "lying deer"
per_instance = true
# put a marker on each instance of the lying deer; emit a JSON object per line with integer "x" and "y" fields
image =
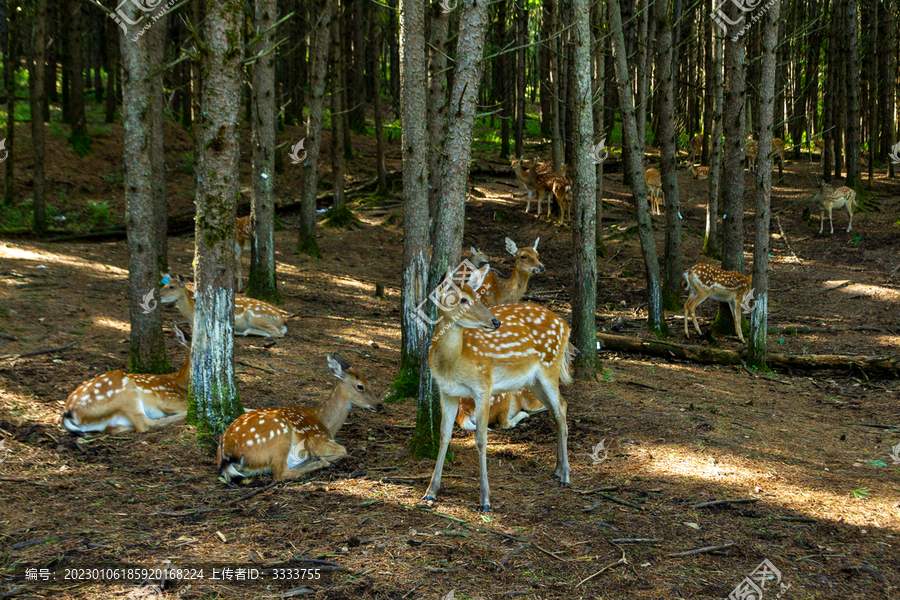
{"x": 479, "y": 352}
{"x": 496, "y": 291}
{"x": 506, "y": 410}
{"x": 654, "y": 185}
{"x": 289, "y": 442}
{"x": 701, "y": 173}
{"x": 242, "y": 243}
{"x": 830, "y": 198}
{"x": 251, "y": 316}
{"x": 708, "y": 281}
{"x": 116, "y": 401}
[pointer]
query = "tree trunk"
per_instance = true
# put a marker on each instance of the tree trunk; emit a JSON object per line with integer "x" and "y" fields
{"x": 394, "y": 54}
{"x": 337, "y": 119}
{"x": 306, "y": 242}
{"x": 521, "y": 17}
{"x": 112, "y": 68}
{"x": 759, "y": 317}
{"x": 79, "y": 139}
{"x": 448, "y": 231}
{"x": 263, "y": 283}
{"x": 872, "y": 87}
{"x": 156, "y": 40}
{"x": 546, "y": 52}
{"x": 584, "y": 199}
{"x": 709, "y": 90}
{"x": 664, "y": 67}
{"x": 889, "y": 85}
{"x": 711, "y": 240}
{"x": 503, "y": 76}
{"x": 644, "y": 66}
{"x": 356, "y": 95}
{"x": 733, "y": 172}
{"x": 656, "y": 317}
{"x": 37, "y": 121}
{"x": 382, "y": 189}
{"x": 148, "y": 349}
{"x": 214, "y": 400}
{"x": 852, "y": 138}
{"x": 599, "y": 90}
{"x": 556, "y": 67}
{"x": 437, "y": 103}
{"x": 12, "y": 64}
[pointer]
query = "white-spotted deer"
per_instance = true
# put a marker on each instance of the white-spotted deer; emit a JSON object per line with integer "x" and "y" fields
{"x": 653, "y": 180}
{"x": 830, "y": 198}
{"x": 289, "y": 442}
{"x": 696, "y": 148}
{"x": 477, "y": 352}
{"x": 701, "y": 173}
{"x": 496, "y": 291}
{"x": 479, "y": 258}
{"x": 506, "y": 410}
{"x": 752, "y": 152}
{"x": 520, "y": 167}
{"x": 116, "y": 401}
{"x": 243, "y": 241}
{"x": 708, "y": 281}
{"x": 251, "y": 316}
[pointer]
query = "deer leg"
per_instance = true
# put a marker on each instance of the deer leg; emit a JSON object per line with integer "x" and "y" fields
{"x": 688, "y": 309}
{"x": 736, "y": 313}
{"x": 482, "y": 413}
{"x": 850, "y": 215}
{"x": 821, "y": 220}
{"x": 830, "y": 222}
{"x": 548, "y": 393}
{"x": 449, "y": 408}
{"x": 325, "y": 454}
{"x": 698, "y": 300}
{"x": 528, "y": 206}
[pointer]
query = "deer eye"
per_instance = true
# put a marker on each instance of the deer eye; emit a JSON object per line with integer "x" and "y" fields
{"x": 360, "y": 387}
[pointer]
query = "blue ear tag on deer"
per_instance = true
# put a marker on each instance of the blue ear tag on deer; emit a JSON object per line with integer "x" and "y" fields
{"x": 165, "y": 280}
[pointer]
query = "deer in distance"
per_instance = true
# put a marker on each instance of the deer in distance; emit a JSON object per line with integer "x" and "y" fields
{"x": 829, "y": 197}
{"x": 288, "y": 441}
{"x": 478, "y": 352}
{"x": 243, "y": 240}
{"x": 495, "y": 290}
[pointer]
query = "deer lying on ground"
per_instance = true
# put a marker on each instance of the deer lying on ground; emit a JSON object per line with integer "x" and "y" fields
{"x": 289, "y": 442}
{"x": 496, "y": 291}
{"x": 242, "y": 242}
{"x": 251, "y": 316}
{"x": 506, "y": 410}
{"x": 708, "y": 281}
{"x": 701, "y": 173}
{"x": 654, "y": 185}
{"x": 478, "y": 352}
{"x": 520, "y": 167}
{"x": 830, "y": 198}
{"x": 116, "y": 401}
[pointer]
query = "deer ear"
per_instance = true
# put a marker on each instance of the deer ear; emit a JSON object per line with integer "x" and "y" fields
{"x": 511, "y": 246}
{"x": 476, "y": 278}
{"x": 180, "y": 279}
{"x": 535, "y": 244}
{"x": 335, "y": 367}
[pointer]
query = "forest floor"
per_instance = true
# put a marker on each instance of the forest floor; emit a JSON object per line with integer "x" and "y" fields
{"x": 811, "y": 449}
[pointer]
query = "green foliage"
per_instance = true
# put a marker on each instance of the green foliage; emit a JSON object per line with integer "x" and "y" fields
{"x": 340, "y": 218}
{"x": 98, "y": 213}
{"x": 407, "y": 383}
{"x": 81, "y": 143}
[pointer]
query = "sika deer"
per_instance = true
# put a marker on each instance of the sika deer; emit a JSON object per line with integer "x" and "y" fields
{"x": 506, "y": 410}
{"x": 496, "y": 291}
{"x": 830, "y": 198}
{"x": 242, "y": 242}
{"x": 708, "y": 281}
{"x": 654, "y": 185}
{"x": 524, "y": 179}
{"x": 477, "y": 352}
{"x": 701, "y": 173}
{"x": 289, "y": 442}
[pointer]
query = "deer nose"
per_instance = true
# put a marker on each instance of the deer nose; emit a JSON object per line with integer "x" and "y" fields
{"x": 378, "y": 406}
{"x": 495, "y": 323}
{"x": 540, "y": 269}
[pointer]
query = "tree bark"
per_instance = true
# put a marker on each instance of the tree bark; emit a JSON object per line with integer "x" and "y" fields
{"x": 852, "y": 138}
{"x": 382, "y": 189}
{"x": 584, "y": 200}
{"x": 503, "y": 90}
{"x": 708, "y": 85}
{"x": 156, "y": 46}
{"x": 599, "y": 102}
{"x": 263, "y": 282}
{"x": 889, "y": 83}
{"x": 448, "y": 231}
{"x": 521, "y": 16}
{"x": 112, "y": 68}
{"x": 148, "y": 349}
{"x": 665, "y": 69}
{"x": 733, "y": 173}
{"x": 656, "y": 317}
{"x": 545, "y": 53}
{"x": 337, "y": 118}
{"x": 39, "y": 46}
{"x": 356, "y": 96}
{"x": 437, "y": 102}
{"x": 79, "y": 139}
{"x": 12, "y": 66}
{"x": 306, "y": 242}
{"x": 214, "y": 400}
{"x": 759, "y": 317}
{"x": 711, "y": 239}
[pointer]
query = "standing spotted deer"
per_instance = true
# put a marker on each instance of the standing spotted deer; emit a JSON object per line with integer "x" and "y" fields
{"x": 707, "y": 281}
{"x": 752, "y": 151}
{"x": 520, "y": 167}
{"x": 496, "y": 291}
{"x": 478, "y": 352}
{"x": 243, "y": 241}
{"x": 830, "y": 198}
{"x": 654, "y": 185}
{"x": 696, "y": 148}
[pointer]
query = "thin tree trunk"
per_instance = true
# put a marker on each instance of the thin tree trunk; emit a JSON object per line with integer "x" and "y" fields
{"x": 437, "y": 102}
{"x": 504, "y": 90}
{"x": 521, "y": 17}
{"x": 448, "y": 232}
{"x": 263, "y": 281}
{"x": 382, "y": 189}
{"x": 584, "y": 200}
{"x": 556, "y": 68}
{"x": 872, "y": 85}
{"x": 733, "y": 173}
{"x": 889, "y": 82}
{"x": 656, "y": 321}
{"x": 79, "y": 139}
{"x": 852, "y": 138}
{"x": 644, "y": 66}
{"x": 306, "y": 241}
{"x": 664, "y": 67}
{"x": 708, "y": 86}
{"x": 337, "y": 119}
{"x": 546, "y": 53}
{"x": 394, "y": 54}
{"x": 599, "y": 90}
{"x": 12, "y": 64}
{"x": 711, "y": 240}
{"x": 148, "y": 349}
{"x": 112, "y": 68}
{"x": 760, "y": 313}
{"x": 214, "y": 400}
{"x": 39, "y": 46}
{"x": 356, "y": 95}
{"x": 156, "y": 40}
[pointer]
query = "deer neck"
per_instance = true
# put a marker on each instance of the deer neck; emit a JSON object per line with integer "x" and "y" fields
{"x": 334, "y": 411}
{"x": 182, "y": 377}
{"x": 516, "y": 285}
{"x": 186, "y": 305}
{"x": 446, "y": 347}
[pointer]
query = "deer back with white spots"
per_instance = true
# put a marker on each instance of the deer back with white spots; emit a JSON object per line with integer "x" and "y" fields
{"x": 251, "y": 316}
{"x": 708, "y": 281}
{"x": 654, "y": 185}
{"x": 117, "y": 401}
{"x": 496, "y": 291}
{"x": 477, "y": 352}
{"x": 830, "y": 198}
{"x": 242, "y": 243}
{"x": 288, "y": 441}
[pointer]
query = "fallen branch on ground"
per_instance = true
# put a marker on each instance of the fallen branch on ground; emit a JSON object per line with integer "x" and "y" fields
{"x": 36, "y": 352}
{"x": 704, "y": 550}
{"x": 726, "y": 501}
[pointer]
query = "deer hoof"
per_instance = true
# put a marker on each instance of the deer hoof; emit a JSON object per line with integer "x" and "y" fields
{"x": 485, "y": 508}
{"x": 428, "y": 499}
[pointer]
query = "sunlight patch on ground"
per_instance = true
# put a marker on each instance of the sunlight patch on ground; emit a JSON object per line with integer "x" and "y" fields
{"x": 13, "y": 252}
{"x": 113, "y": 323}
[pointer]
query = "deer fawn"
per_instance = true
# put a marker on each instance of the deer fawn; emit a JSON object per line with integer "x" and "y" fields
{"x": 696, "y": 148}
{"x": 707, "y": 281}
{"x": 699, "y": 172}
{"x": 654, "y": 185}
{"x": 830, "y": 198}
{"x": 289, "y": 442}
{"x": 478, "y": 352}
{"x": 251, "y": 316}
{"x": 506, "y": 410}
{"x": 752, "y": 151}
{"x": 117, "y": 402}
{"x": 778, "y": 149}
{"x": 242, "y": 242}
{"x": 524, "y": 179}
{"x": 496, "y": 291}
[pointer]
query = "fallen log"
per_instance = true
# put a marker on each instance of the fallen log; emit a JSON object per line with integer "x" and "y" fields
{"x": 877, "y": 366}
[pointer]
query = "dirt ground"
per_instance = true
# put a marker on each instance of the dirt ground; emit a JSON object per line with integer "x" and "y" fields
{"x": 809, "y": 451}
